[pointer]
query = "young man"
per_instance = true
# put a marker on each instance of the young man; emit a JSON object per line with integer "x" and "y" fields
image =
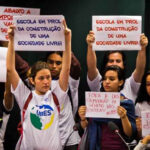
{"x": 132, "y": 84}
{"x": 70, "y": 137}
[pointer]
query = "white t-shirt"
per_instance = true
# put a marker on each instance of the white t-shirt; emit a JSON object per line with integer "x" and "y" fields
{"x": 66, "y": 121}
{"x": 41, "y": 124}
{"x": 129, "y": 90}
{"x": 139, "y": 107}
{"x": 73, "y": 86}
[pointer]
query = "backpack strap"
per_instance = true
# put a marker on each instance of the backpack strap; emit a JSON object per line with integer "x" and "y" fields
{"x": 19, "y": 127}
{"x": 56, "y": 102}
{"x": 26, "y": 105}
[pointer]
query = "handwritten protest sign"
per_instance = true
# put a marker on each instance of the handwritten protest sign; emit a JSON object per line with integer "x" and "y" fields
{"x": 3, "y": 54}
{"x": 116, "y": 32}
{"x": 6, "y": 18}
{"x": 39, "y": 33}
{"x": 102, "y": 104}
{"x": 145, "y": 122}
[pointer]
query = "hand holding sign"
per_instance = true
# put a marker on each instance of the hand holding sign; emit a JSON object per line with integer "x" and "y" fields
{"x": 11, "y": 32}
{"x": 122, "y": 112}
{"x": 90, "y": 39}
{"x": 143, "y": 41}
{"x": 67, "y": 32}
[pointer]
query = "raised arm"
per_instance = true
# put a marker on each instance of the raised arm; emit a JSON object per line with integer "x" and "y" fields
{"x": 66, "y": 60}
{"x": 8, "y": 97}
{"x": 141, "y": 60}
{"x": 11, "y": 71}
{"x": 91, "y": 57}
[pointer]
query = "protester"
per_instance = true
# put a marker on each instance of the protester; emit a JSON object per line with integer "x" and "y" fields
{"x": 70, "y": 138}
{"x": 41, "y": 118}
{"x": 132, "y": 84}
{"x": 142, "y": 101}
{"x": 100, "y": 136}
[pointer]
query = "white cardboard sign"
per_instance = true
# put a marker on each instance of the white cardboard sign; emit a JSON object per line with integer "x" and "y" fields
{"x": 6, "y": 18}
{"x": 39, "y": 33}
{"x": 102, "y": 104}
{"x": 116, "y": 32}
{"x": 3, "y": 54}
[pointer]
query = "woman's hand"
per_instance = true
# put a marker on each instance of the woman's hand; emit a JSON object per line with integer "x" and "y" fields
{"x": 122, "y": 112}
{"x": 82, "y": 111}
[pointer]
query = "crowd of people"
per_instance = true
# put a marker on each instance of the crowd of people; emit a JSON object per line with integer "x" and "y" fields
{"x": 46, "y": 96}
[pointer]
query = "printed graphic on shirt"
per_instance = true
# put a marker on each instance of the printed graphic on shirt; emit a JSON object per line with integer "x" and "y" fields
{"x": 42, "y": 116}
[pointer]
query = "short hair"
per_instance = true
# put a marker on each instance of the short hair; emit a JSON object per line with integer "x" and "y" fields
{"x": 142, "y": 94}
{"x": 106, "y": 58}
{"x": 39, "y": 65}
{"x": 120, "y": 73}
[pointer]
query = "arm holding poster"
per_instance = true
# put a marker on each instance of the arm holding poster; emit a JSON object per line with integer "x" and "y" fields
{"x": 8, "y": 97}
{"x": 91, "y": 57}
{"x": 66, "y": 61}
{"x": 141, "y": 59}
{"x": 127, "y": 128}
{"x": 12, "y": 73}
{"x": 102, "y": 106}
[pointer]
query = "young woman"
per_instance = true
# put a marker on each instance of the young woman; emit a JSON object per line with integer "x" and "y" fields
{"x": 41, "y": 118}
{"x": 112, "y": 81}
{"x": 143, "y": 101}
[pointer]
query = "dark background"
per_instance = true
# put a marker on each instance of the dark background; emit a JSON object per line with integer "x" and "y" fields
{"x": 78, "y": 14}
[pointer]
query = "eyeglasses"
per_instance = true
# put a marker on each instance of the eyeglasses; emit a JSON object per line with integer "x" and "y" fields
{"x": 54, "y": 62}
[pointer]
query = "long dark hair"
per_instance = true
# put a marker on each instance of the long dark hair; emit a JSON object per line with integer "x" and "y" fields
{"x": 117, "y": 69}
{"x": 142, "y": 94}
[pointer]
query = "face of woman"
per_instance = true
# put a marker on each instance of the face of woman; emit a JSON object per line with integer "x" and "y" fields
{"x": 111, "y": 83}
{"x": 42, "y": 81}
{"x": 148, "y": 84}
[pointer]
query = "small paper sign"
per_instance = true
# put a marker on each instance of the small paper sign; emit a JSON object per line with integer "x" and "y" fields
{"x": 102, "y": 104}
{"x": 145, "y": 122}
